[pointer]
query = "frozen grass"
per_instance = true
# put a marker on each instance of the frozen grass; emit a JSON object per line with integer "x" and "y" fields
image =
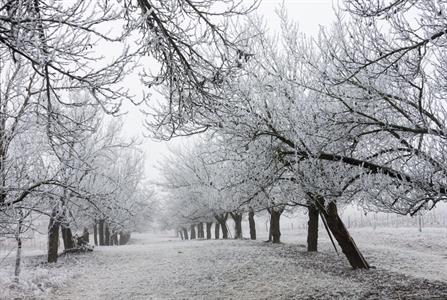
{"x": 402, "y": 250}
{"x": 166, "y": 268}
{"x": 409, "y": 265}
{"x": 37, "y": 279}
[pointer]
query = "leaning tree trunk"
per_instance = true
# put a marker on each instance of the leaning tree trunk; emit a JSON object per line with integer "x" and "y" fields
{"x": 275, "y": 229}
{"x": 193, "y": 232}
{"x": 180, "y": 233}
{"x": 216, "y": 230}
{"x": 237, "y": 217}
{"x": 185, "y": 233}
{"x": 101, "y": 232}
{"x": 53, "y": 236}
{"x": 67, "y": 237}
{"x": 106, "y": 234}
{"x": 344, "y": 239}
{"x": 251, "y": 222}
{"x": 95, "y": 233}
{"x": 200, "y": 232}
{"x": 312, "y": 229}
{"x": 208, "y": 230}
{"x": 222, "y": 219}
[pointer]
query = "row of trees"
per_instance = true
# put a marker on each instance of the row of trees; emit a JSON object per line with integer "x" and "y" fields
{"x": 356, "y": 114}
{"x": 61, "y": 154}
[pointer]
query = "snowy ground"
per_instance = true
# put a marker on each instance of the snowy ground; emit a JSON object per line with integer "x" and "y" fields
{"x": 409, "y": 265}
{"x": 402, "y": 250}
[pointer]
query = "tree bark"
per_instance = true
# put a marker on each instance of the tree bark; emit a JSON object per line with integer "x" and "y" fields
{"x": 224, "y": 230}
{"x": 53, "y": 236}
{"x": 193, "y": 232}
{"x": 67, "y": 237}
{"x": 312, "y": 229}
{"x": 237, "y": 217}
{"x": 216, "y": 230}
{"x": 251, "y": 222}
{"x": 344, "y": 239}
{"x": 208, "y": 230}
{"x": 222, "y": 219}
{"x": 275, "y": 215}
{"x": 95, "y": 233}
{"x": 106, "y": 234}
{"x": 200, "y": 232}
{"x": 101, "y": 232}
{"x": 185, "y": 233}
{"x": 114, "y": 239}
{"x": 19, "y": 248}
{"x": 18, "y": 258}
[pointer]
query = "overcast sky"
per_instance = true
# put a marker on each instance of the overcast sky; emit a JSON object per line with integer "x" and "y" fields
{"x": 310, "y": 14}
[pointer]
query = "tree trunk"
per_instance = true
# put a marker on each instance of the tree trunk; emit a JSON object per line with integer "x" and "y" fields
{"x": 343, "y": 238}
{"x": 180, "y": 232}
{"x": 95, "y": 233}
{"x": 251, "y": 222}
{"x": 53, "y": 236}
{"x": 208, "y": 230}
{"x": 101, "y": 232}
{"x": 86, "y": 235}
{"x": 200, "y": 232}
{"x": 237, "y": 217}
{"x": 216, "y": 230}
{"x": 185, "y": 233}
{"x": 193, "y": 232}
{"x": 420, "y": 221}
{"x": 67, "y": 237}
{"x": 312, "y": 229}
{"x": 18, "y": 258}
{"x": 222, "y": 219}
{"x": 224, "y": 230}
{"x": 106, "y": 234}
{"x": 19, "y": 248}
{"x": 114, "y": 239}
{"x": 275, "y": 229}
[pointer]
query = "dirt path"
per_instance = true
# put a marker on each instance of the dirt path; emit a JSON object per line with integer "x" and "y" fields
{"x": 159, "y": 268}
{"x": 125, "y": 272}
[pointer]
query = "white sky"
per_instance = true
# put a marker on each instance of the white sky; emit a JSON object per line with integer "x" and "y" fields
{"x": 310, "y": 15}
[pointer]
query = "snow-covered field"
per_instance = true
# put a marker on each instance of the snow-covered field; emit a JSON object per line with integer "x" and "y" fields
{"x": 402, "y": 250}
{"x": 410, "y": 265}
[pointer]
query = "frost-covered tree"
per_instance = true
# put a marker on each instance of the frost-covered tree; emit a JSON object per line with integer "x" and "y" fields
{"x": 383, "y": 79}
{"x": 193, "y": 190}
{"x": 197, "y": 48}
